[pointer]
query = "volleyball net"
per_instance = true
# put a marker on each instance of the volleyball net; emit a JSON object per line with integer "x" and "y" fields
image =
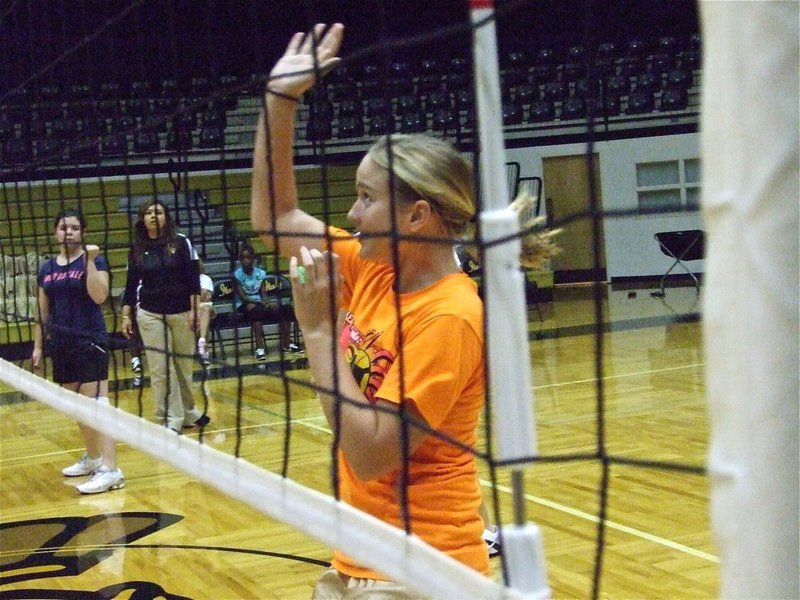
{"x": 88, "y": 140}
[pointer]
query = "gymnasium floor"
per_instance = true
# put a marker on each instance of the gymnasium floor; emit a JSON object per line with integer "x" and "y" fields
{"x": 166, "y": 535}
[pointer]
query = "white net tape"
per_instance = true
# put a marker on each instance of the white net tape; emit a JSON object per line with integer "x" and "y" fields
{"x": 404, "y": 558}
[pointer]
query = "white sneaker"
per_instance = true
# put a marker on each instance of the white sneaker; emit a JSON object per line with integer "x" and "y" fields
{"x": 136, "y": 364}
{"x": 102, "y": 480}
{"x": 261, "y": 355}
{"x": 492, "y": 539}
{"x": 202, "y": 352}
{"x": 85, "y": 466}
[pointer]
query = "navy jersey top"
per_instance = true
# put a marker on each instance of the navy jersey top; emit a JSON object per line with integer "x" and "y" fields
{"x": 167, "y": 276}
{"x": 72, "y": 310}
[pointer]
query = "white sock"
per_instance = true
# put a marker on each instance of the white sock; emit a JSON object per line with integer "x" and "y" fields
{"x": 103, "y": 400}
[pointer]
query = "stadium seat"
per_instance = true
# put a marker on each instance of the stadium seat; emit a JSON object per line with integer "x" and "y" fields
{"x": 400, "y": 80}
{"x": 49, "y": 149}
{"x": 605, "y": 59}
{"x": 542, "y": 111}
{"x": 214, "y": 117}
{"x": 378, "y": 106}
{"x": 542, "y": 74}
{"x": 674, "y": 98}
{"x": 141, "y": 88}
{"x": 381, "y": 124}
{"x": 512, "y": 114}
{"x": 115, "y": 144}
{"x": 107, "y": 109}
{"x": 413, "y": 122}
{"x": 84, "y": 149}
{"x": 437, "y": 101}
{"x": 186, "y": 119}
{"x": 146, "y": 142}
{"x": 341, "y": 91}
{"x": 463, "y": 100}
{"x": 351, "y": 126}
{"x": 110, "y": 90}
{"x": 6, "y": 127}
{"x": 200, "y": 86}
{"x": 371, "y": 82}
{"x": 640, "y": 102}
{"x": 50, "y": 93}
{"x": 573, "y": 108}
{"x": 647, "y": 82}
{"x": 618, "y": 85}
{"x": 679, "y": 78}
{"x": 408, "y": 104}
{"x": 555, "y": 91}
{"x": 608, "y": 106}
{"x": 17, "y": 150}
{"x": 80, "y": 91}
{"x": 431, "y": 77}
{"x": 351, "y": 108}
{"x": 573, "y": 71}
{"x": 179, "y": 140}
{"x": 137, "y": 107}
{"x": 445, "y": 120}
{"x": 525, "y": 94}
{"x": 20, "y": 95}
{"x": 667, "y": 45}
{"x": 212, "y": 136}
{"x": 636, "y": 48}
{"x": 661, "y": 64}
{"x": 459, "y": 74}
{"x": 545, "y": 56}
{"x": 170, "y": 88}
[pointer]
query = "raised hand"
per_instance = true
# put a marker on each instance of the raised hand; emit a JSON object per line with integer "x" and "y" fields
{"x": 92, "y": 251}
{"x": 294, "y": 74}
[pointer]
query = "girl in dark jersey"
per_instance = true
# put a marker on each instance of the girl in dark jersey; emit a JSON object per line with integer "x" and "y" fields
{"x": 72, "y": 287}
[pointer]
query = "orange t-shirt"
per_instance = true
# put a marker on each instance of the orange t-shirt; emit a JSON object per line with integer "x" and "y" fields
{"x": 440, "y": 370}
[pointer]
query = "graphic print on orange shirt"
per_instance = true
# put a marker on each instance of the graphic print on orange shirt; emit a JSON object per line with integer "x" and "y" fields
{"x": 368, "y": 361}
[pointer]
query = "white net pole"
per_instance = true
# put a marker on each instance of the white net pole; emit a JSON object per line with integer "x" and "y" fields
{"x": 749, "y": 146}
{"x": 506, "y": 314}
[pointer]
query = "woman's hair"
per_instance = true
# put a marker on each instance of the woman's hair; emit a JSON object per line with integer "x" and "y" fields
{"x": 69, "y": 212}
{"x": 142, "y": 241}
{"x": 430, "y": 169}
{"x": 434, "y": 170}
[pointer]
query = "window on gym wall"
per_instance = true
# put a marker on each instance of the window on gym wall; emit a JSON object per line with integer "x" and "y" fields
{"x": 668, "y": 186}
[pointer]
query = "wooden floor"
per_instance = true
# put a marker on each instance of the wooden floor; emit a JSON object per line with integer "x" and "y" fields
{"x": 166, "y": 535}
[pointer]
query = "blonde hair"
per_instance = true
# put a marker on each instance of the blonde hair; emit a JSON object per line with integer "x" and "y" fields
{"x": 434, "y": 170}
{"x": 430, "y": 169}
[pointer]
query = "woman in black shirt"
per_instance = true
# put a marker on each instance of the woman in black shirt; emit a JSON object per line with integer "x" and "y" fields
{"x": 164, "y": 262}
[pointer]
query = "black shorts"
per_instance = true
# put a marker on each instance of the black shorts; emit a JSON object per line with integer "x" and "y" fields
{"x": 266, "y": 314}
{"x": 79, "y": 360}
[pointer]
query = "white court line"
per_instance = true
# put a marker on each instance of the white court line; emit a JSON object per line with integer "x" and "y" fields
{"x": 610, "y": 524}
{"x": 620, "y": 376}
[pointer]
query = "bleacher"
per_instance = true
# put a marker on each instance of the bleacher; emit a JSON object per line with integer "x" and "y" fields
{"x": 545, "y": 92}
